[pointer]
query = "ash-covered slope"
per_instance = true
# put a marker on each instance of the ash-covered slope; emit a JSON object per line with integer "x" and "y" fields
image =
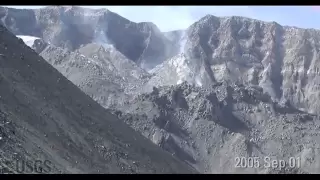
{"x": 99, "y": 70}
{"x": 108, "y": 56}
{"x": 71, "y": 27}
{"x": 43, "y": 116}
{"x": 282, "y": 60}
{"x": 209, "y": 129}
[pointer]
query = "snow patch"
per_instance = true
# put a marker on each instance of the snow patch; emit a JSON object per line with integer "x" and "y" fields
{"x": 28, "y": 40}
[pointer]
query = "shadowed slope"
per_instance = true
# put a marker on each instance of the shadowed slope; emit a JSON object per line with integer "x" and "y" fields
{"x": 44, "y": 116}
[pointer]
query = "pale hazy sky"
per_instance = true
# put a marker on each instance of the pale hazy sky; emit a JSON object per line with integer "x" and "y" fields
{"x": 179, "y": 17}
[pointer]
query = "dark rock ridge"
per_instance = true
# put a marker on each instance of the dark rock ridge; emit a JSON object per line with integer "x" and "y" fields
{"x": 71, "y": 27}
{"x": 43, "y": 116}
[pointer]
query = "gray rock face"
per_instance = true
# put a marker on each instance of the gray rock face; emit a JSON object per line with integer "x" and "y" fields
{"x": 282, "y": 60}
{"x": 43, "y": 116}
{"x": 71, "y": 27}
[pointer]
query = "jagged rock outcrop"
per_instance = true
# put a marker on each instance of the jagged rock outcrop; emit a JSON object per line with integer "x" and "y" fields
{"x": 283, "y": 60}
{"x": 71, "y": 27}
{"x": 209, "y": 129}
{"x": 43, "y": 116}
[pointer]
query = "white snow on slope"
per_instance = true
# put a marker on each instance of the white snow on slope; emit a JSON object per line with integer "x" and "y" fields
{"x": 28, "y": 40}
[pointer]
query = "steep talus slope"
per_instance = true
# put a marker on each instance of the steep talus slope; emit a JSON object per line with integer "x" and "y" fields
{"x": 44, "y": 116}
{"x": 107, "y": 55}
{"x": 209, "y": 129}
{"x": 99, "y": 70}
{"x": 71, "y": 27}
{"x": 282, "y": 60}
